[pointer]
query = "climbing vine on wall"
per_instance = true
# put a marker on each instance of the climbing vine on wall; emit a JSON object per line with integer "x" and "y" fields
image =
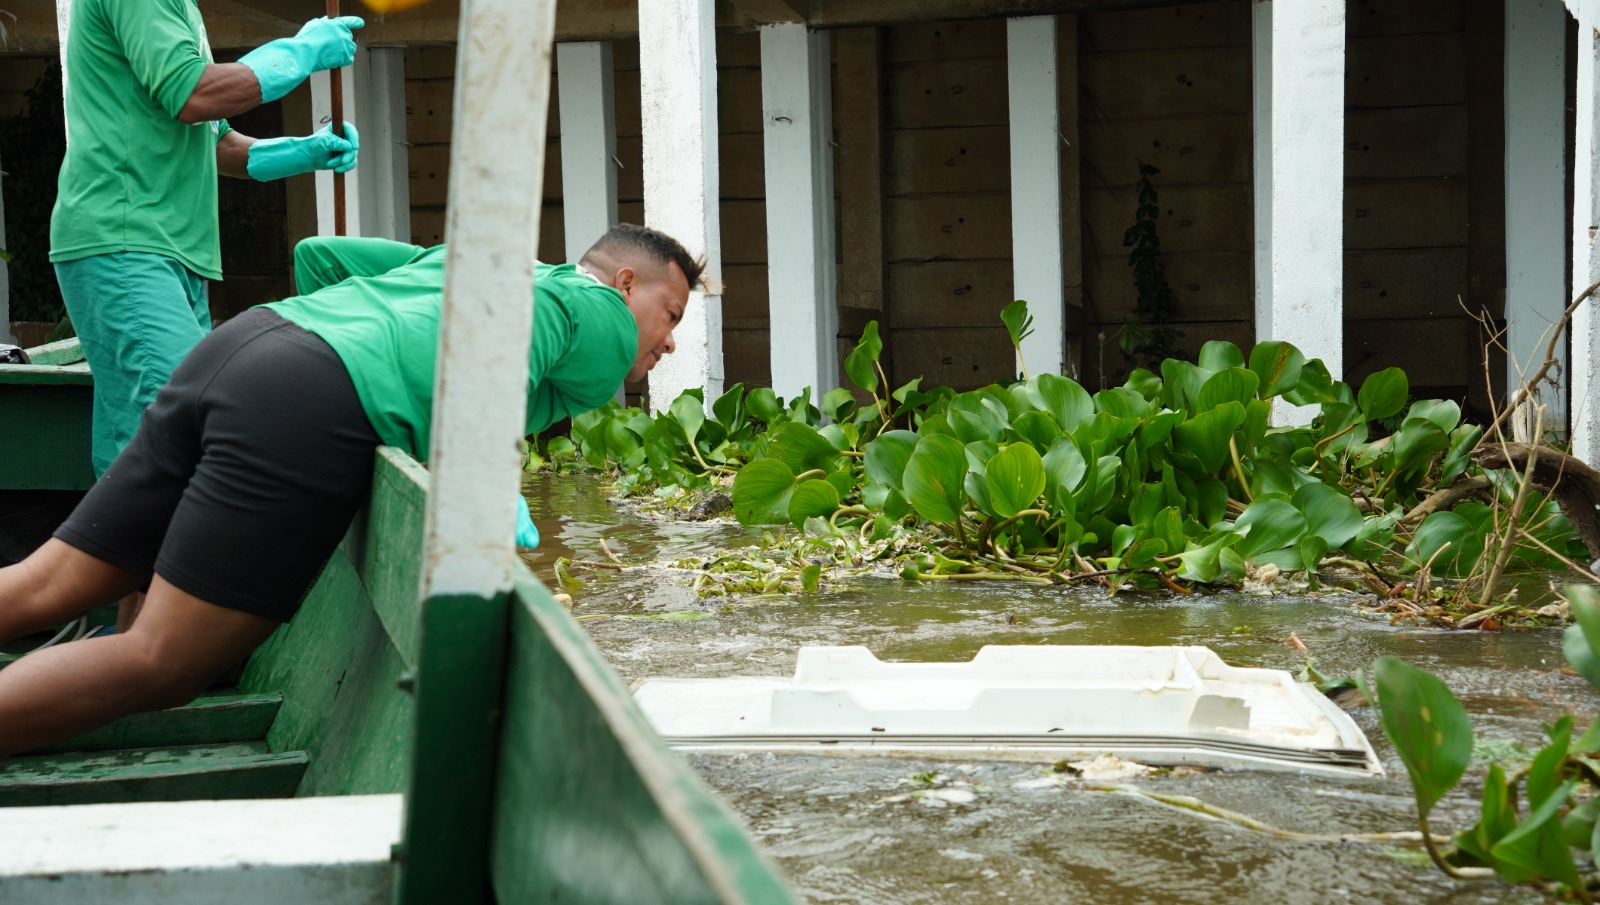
{"x": 31, "y": 147}
{"x": 1147, "y": 338}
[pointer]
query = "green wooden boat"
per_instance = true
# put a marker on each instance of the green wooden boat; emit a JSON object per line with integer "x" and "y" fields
{"x": 527, "y": 773}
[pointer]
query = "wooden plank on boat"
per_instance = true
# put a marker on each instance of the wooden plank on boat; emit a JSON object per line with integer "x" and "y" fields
{"x": 591, "y": 805}
{"x": 211, "y": 720}
{"x": 241, "y": 770}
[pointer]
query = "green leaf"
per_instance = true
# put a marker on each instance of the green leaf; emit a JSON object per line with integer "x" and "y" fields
{"x": 1037, "y": 428}
{"x": 1416, "y": 441}
{"x": 1227, "y": 385}
{"x": 1017, "y": 320}
{"x": 814, "y": 498}
{"x": 838, "y": 404}
{"x": 1268, "y": 525}
{"x": 1442, "y": 412}
{"x": 761, "y": 492}
{"x": 1180, "y": 383}
{"x": 1441, "y": 528}
{"x": 1015, "y": 478}
{"x": 1330, "y": 513}
{"x": 1063, "y": 398}
{"x": 1219, "y": 354}
{"x": 810, "y": 577}
{"x": 802, "y": 448}
{"x": 886, "y": 457}
{"x": 1123, "y": 402}
{"x": 729, "y": 408}
{"x": 1206, "y": 436}
{"x": 1428, "y": 727}
{"x": 1582, "y": 639}
{"x": 1316, "y": 386}
{"x": 1278, "y": 364}
{"x": 934, "y": 478}
{"x": 1064, "y": 467}
{"x": 1383, "y": 394}
{"x": 861, "y": 363}
{"x": 977, "y": 416}
{"x": 764, "y": 404}
{"x": 1201, "y": 561}
{"x": 1536, "y": 848}
{"x": 1498, "y": 816}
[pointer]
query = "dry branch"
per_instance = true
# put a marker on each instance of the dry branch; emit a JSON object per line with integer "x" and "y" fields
{"x": 1573, "y": 485}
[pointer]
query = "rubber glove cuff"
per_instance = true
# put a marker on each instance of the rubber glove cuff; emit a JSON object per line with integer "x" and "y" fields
{"x": 321, "y": 44}
{"x": 527, "y": 533}
{"x": 277, "y": 158}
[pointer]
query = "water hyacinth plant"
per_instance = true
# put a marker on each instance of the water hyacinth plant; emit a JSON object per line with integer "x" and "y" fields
{"x": 1171, "y": 479}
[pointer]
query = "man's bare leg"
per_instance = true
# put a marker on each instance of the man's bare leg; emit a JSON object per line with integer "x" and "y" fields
{"x": 57, "y": 583}
{"x": 178, "y": 646}
{"x": 128, "y": 610}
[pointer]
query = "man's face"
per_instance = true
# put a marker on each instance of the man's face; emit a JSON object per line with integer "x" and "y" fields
{"x": 657, "y": 305}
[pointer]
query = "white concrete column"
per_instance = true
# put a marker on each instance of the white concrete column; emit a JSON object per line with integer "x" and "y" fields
{"x": 378, "y": 190}
{"x": 802, "y": 275}
{"x": 1536, "y": 178}
{"x": 63, "y": 29}
{"x": 1038, "y": 269}
{"x": 1584, "y": 373}
{"x": 588, "y": 143}
{"x": 678, "y": 94}
{"x": 1299, "y": 181}
{"x": 502, "y": 93}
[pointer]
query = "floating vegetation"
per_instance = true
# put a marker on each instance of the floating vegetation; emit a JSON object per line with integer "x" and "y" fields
{"x": 1170, "y": 481}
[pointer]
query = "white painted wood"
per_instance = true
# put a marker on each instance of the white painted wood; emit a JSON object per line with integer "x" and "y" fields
{"x": 802, "y": 275}
{"x": 1038, "y": 268}
{"x": 502, "y": 91}
{"x": 678, "y": 93}
{"x": 5, "y": 271}
{"x": 1584, "y": 373}
{"x": 63, "y": 31}
{"x": 588, "y": 143}
{"x": 321, "y": 115}
{"x": 1261, "y": 138}
{"x": 326, "y": 850}
{"x": 1304, "y": 136}
{"x": 378, "y": 190}
{"x": 1536, "y": 174}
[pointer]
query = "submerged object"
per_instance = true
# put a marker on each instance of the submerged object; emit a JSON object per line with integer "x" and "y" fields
{"x": 1158, "y": 705}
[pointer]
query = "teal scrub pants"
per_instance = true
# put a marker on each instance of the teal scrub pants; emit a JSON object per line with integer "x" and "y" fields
{"x": 137, "y": 315}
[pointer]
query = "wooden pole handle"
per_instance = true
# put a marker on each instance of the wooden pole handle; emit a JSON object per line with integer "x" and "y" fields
{"x": 336, "y": 89}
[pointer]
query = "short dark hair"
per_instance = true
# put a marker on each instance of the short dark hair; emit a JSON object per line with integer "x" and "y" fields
{"x": 628, "y": 239}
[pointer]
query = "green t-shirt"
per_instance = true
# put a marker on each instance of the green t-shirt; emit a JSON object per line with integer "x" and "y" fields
{"x": 377, "y": 304}
{"x": 135, "y": 178}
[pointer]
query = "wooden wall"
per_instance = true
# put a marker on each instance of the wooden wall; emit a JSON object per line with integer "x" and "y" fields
{"x": 1170, "y": 87}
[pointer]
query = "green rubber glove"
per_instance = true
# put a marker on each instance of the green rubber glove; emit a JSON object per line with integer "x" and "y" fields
{"x": 321, "y": 44}
{"x": 275, "y": 158}
{"x": 527, "y": 533}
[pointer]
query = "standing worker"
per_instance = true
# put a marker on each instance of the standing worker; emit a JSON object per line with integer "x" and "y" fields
{"x": 134, "y": 233}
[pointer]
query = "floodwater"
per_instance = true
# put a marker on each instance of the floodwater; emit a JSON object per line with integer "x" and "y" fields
{"x": 843, "y": 830}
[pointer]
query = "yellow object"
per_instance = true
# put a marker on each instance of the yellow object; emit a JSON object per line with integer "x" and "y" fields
{"x": 391, "y": 6}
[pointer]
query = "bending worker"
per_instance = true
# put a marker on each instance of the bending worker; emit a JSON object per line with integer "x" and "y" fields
{"x": 248, "y": 468}
{"x": 134, "y": 232}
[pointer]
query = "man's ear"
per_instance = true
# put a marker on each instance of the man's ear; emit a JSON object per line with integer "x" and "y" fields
{"x": 624, "y": 280}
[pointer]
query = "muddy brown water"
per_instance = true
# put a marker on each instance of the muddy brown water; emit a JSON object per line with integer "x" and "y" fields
{"x": 826, "y": 823}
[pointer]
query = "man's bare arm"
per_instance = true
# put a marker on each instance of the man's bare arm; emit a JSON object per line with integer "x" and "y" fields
{"x": 224, "y": 90}
{"x": 233, "y": 154}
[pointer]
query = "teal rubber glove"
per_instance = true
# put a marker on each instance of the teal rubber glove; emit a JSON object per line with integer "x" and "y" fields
{"x": 321, "y": 44}
{"x": 527, "y": 533}
{"x": 275, "y": 158}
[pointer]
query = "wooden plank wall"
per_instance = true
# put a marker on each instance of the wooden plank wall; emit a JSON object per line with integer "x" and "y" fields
{"x": 1412, "y": 117}
{"x": 17, "y": 75}
{"x": 1168, "y": 87}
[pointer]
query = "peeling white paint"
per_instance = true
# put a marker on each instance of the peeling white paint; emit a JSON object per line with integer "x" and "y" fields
{"x": 327, "y": 850}
{"x": 678, "y": 97}
{"x": 1038, "y": 268}
{"x": 1535, "y": 193}
{"x": 1300, "y": 67}
{"x": 1584, "y": 375}
{"x": 802, "y": 281}
{"x": 480, "y": 389}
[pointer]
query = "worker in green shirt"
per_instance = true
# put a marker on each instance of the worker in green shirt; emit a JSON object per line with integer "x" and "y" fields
{"x": 134, "y": 232}
{"x": 248, "y": 468}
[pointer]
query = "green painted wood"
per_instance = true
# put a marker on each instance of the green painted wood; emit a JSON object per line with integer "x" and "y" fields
{"x": 210, "y": 720}
{"x": 591, "y": 806}
{"x": 242, "y": 770}
{"x": 450, "y": 802}
{"x": 64, "y": 352}
{"x": 336, "y": 663}
{"x": 45, "y": 414}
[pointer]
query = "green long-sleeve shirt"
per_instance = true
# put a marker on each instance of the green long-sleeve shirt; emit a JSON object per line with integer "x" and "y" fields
{"x": 377, "y": 304}
{"x": 135, "y": 178}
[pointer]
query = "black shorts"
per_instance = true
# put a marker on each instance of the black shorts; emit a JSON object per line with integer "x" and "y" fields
{"x": 244, "y": 474}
